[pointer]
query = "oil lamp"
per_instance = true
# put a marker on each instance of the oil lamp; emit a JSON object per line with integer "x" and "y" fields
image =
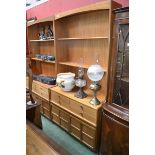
{"x": 80, "y": 82}
{"x": 95, "y": 73}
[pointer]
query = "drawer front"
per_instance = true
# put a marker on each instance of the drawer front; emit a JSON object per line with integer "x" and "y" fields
{"x": 88, "y": 130}
{"x": 54, "y": 110}
{"x": 75, "y": 123}
{"x": 64, "y": 120}
{"x": 37, "y": 98}
{"x": 46, "y": 112}
{"x": 88, "y": 141}
{"x": 44, "y": 94}
{"x": 75, "y": 132}
{"x": 45, "y": 104}
{"x": 56, "y": 119}
{"x": 64, "y": 124}
{"x": 64, "y": 116}
{"x": 88, "y": 135}
{"x": 64, "y": 102}
{"x": 55, "y": 97}
{"x": 76, "y": 107}
{"x": 90, "y": 114}
{"x": 90, "y": 117}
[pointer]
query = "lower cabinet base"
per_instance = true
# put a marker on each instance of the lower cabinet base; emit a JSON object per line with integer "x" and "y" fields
{"x": 82, "y": 131}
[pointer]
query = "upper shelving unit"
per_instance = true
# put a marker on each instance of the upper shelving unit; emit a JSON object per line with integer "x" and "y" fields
{"x": 36, "y": 59}
{"x": 92, "y": 7}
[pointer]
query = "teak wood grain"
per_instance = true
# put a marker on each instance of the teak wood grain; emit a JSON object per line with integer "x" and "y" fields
{"x": 85, "y": 33}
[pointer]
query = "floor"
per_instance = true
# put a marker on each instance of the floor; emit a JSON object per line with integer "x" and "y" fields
{"x": 64, "y": 139}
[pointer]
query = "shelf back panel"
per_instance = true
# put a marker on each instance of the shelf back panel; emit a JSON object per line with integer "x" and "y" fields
{"x": 91, "y": 24}
{"x": 89, "y": 50}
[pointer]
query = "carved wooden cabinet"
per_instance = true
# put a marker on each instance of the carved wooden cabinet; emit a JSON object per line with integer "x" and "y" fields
{"x": 115, "y": 113}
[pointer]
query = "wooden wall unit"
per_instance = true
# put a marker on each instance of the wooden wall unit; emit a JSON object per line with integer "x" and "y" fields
{"x": 37, "y": 46}
{"x": 80, "y": 33}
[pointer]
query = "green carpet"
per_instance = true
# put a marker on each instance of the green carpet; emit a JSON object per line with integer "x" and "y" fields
{"x": 65, "y": 140}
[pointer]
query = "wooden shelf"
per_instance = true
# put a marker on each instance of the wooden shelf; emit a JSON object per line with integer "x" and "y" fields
{"x": 42, "y": 40}
{"x": 36, "y": 59}
{"x": 86, "y": 38}
{"x": 73, "y": 64}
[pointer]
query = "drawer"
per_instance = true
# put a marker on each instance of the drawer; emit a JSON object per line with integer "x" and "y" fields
{"x": 90, "y": 111}
{"x": 90, "y": 117}
{"x": 76, "y": 107}
{"x": 64, "y": 124}
{"x": 75, "y": 132}
{"x": 44, "y": 94}
{"x": 88, "y": 141}
{"x": 54, "y": 110}
{"x": 46, "y": 112}
{"x": 45, "y": 104}
{"x": 64, "y": 102}
{"x": 55, "y": 119}
{"x": 64, "y": 116}
{"x": 88, "y": 130}
{"x": 75, "y": 123}
{"x": 37, "y": 98}
{"x": 55, "y": 97}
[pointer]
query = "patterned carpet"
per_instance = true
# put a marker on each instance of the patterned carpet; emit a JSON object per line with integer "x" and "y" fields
{"x": 64, "y": 139}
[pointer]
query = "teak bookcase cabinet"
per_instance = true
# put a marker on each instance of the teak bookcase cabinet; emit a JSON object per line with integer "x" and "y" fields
{"x": 80, "y": 33}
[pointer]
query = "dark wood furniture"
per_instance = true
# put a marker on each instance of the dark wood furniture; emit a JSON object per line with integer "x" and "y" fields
{"x": 39, "y": 143}
{"x": 115, "y": 130}
{"x": 33, "y": 114}
{"x": 115, "y": 113}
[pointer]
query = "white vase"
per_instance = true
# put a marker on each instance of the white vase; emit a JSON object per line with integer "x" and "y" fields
{"x": 66, "y": 81}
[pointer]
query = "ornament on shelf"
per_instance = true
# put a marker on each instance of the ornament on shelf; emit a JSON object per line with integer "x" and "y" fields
{"x": 80, "y": 82}
{"x": 49, "y": 32}
{"x": 42, "y": 35}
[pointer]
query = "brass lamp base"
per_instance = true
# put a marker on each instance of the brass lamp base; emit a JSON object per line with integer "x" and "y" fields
{"x": 95, "y": 87}
{"x": 94, "y": 101}
{"x": 80, "y": 93}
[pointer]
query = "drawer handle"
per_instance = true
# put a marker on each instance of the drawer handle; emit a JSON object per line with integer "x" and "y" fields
{"x": 81, "y": 107}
